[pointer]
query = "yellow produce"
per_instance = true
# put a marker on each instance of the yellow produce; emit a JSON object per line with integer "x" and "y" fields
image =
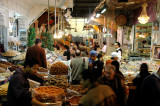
{"x": 4, "y": 89}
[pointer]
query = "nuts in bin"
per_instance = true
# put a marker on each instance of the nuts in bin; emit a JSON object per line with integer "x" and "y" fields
{"x": 4, "y": 89}
{"x": 4, "y": 66}
{"x": 48, "y": 93}
{"x": 7, "y": 63}
{"x": 58, "y": 81}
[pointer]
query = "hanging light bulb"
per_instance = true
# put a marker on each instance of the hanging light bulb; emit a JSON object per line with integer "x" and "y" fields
{"x": 55, "y": 36}
{"x": 92, "y": 18}
{"x": 143, "y": 19}
{"x": 92, "y": 30}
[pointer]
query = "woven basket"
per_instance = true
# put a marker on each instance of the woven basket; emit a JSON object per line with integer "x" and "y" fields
{"x": 121, "y": 20}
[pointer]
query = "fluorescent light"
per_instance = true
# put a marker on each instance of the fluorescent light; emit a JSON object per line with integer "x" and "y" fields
{"x": 103, "y": 10}
{"x": 98, "y": 15}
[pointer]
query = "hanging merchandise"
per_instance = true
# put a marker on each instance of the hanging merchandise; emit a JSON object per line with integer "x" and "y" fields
{"x": 37, "y": 30}
{"x": 55, "y": 14}
{"x": 158, "y": 10}
{"x": 112, "y": 27}
{"x": 108, "y": 30}
{"x": 68, "y": 13}
{"x": 104, "y": 29}
{"x": 120, "y": 35}
{"x": 109, "y": 33}
{"x": 121, "y": 20}
{"x": 129, "y": 33}
{"x": 126, "y": 35}
{"x": 68, "y": 4}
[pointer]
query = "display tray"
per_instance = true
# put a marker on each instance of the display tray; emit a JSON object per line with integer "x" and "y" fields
{"x": 33, "y": 83}
{"x": 71, "y": 93}
{"x": 48, "y": 94}
{"x": 9, "y": 57}
{"x": 59, "y": 103}
{"x": 18, "y": 60}
{"x": 78, "y": 88}
{"x": 74, "y": 101}
{"x": 50, "y": 75}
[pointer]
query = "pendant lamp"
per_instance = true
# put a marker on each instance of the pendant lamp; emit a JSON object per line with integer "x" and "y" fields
{"x": 143, "y": 19}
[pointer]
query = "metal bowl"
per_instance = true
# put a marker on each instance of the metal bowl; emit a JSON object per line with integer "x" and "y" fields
{"x": 58, "y": 103}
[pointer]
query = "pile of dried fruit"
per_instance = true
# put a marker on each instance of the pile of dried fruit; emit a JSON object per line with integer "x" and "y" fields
{"x": 59, "y": 68}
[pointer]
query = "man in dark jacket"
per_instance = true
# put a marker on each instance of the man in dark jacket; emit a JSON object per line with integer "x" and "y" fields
{"x": 36, "y": 55}
{"x": 150, "y": 91}
{"x": 138, "y": 80}
{"x": 95, "y": 64}
{"x": 116, "y": 82}
{"x": 67, "y": 53}
{"x": 97, "y": 95}
{"x": 18, "y": 91}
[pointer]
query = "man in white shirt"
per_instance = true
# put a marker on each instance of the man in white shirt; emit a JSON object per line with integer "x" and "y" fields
{"x": 118, "y": 49}
{"x": 104, "y": 48}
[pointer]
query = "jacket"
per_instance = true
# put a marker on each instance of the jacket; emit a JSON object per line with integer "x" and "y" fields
{"x": 18, "y": 91}
{"x": 138, "y": 83}
{"x": 77, "y": 65}
{"x": 99, "y": 95}
{"x": 118, "y": 87}
{"x": 150, "y": 91}
{"x": 35, "y": 55}
{"x": 68, "y": 54}
{"x": 97, "y": 68}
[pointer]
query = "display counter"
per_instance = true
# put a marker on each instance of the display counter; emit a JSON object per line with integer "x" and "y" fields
{"x": 59, "y": 72}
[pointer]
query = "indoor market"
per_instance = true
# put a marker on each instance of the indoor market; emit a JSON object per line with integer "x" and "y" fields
{"x": 79, "y": 52}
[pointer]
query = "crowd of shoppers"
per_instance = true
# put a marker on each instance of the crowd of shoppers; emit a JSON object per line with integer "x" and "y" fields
{"x": 105, "y": 82}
